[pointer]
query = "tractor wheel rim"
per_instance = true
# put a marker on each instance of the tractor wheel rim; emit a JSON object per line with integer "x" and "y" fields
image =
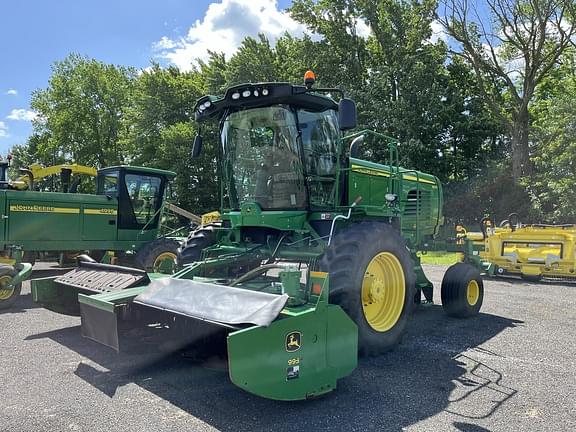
{"x": 6, "y": 292}
{"x": 383, "y": 292}
{"x": 472, "y": 292}
{"x": 163, "y": 257}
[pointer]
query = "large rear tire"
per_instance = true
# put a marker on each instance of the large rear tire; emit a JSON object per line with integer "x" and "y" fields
{"x": 158, "y": 256}
{"x": 191, "y": 249}
{"x": 8, "y": 295}
{"x": 462, "y": 291}
{"x": 372, "y": 278}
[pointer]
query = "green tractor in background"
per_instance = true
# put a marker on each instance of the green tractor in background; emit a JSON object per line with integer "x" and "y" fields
{"x": 314, "y": 259}
{"x": 122, "y": 217}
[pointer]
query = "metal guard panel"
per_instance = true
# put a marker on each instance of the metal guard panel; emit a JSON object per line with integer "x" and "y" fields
{"x": 98, "y": 277}
{"x": 100, "y": 326}
{"x": 210, "y": 302}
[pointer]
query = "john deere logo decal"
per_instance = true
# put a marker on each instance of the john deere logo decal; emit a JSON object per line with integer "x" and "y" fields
{"x": 293, "y": 341}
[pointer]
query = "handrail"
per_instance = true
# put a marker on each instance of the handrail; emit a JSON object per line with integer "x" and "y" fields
{"x": 394, "y": 159}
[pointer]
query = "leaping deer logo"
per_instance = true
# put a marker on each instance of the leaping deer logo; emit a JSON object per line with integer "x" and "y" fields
{"x": 293, "y": 341}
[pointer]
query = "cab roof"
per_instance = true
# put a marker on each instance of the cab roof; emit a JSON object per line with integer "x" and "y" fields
{"x": 260, "y": 95}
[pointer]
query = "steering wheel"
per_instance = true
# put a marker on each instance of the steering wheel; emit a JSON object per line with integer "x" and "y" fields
{"x": 512, "y": 222}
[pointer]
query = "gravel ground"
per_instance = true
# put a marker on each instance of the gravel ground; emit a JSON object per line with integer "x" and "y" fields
{"x": 510, "y": 368}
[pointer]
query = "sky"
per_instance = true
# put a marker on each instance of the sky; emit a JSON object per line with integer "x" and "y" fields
{"x": 36, "y": 33}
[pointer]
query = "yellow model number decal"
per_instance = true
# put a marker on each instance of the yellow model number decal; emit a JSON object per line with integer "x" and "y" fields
{"x": 294, "y": 361}
{"x": 103, "y": 211}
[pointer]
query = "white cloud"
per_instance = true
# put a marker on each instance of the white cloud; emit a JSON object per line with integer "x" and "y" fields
{"x": 12, "y": 92}
{"x": 147, "y": 69}
{"x": 438, "y": 32}
{"x": 22, "y": 114}
{"x": 3, "y": 130}
{"x": 164, "y": 44}
{"x": 223, "y": 28}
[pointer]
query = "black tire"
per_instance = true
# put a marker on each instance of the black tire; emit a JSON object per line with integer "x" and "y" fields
{"x": 456, "y": 283}
{"x": 198, "y": 240}
{"x": 8, "y": 297}
{"x": 347, "y": 259}
{"x": 150, "y": 255}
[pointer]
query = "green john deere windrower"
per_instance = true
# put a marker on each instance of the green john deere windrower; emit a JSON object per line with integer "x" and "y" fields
{"x": 122, "y": 216}
{"x": 314, "y": 259}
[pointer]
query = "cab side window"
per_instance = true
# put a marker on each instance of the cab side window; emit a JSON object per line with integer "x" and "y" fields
{"x": 144, "y": 194}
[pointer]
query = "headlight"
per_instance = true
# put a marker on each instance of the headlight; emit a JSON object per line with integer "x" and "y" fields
{"x": 264, "y": 92}
{"x": 235, "y": 95}
{"x": 246, "y": 93}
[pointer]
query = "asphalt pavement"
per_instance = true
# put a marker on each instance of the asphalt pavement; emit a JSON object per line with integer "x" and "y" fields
{"x": 511, "y": 368}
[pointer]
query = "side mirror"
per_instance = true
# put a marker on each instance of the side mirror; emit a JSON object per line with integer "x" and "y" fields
{"x": 197, "y": 146}
{"x": 356, "y": 143}
{"x": 347, "y": 114}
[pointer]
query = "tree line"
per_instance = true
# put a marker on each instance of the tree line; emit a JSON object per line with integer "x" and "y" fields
{"x": 488, "y": 108}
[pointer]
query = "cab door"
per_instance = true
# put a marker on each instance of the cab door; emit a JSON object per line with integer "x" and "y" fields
{"x": 139, "y": 207}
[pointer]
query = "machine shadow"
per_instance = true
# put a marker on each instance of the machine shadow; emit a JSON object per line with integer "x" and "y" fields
{"x": 440, "y": 366}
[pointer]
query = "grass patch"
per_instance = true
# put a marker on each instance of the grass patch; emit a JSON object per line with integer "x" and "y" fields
{"x": 446, "y": 258}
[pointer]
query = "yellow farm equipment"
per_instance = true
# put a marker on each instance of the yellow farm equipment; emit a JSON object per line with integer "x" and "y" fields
{"x": 529, "y": 251}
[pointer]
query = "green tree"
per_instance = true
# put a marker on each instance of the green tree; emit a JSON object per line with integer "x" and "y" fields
{"x": 253, "y": 62}
{"x": 81, "y": 113}
{"x": 402, "y": 82}
{"x": 258, "y": 61}
{"x": 553, "y": 185}
{"x": 343, "y": 52}
{"x": 511, "y": 52}
{"x": 161, "y": 133}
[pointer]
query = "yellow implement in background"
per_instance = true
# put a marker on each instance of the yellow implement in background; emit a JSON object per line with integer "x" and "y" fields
{"x": 528, "y": 251}
{"x": 211, "y": 217}
{"x": 533, "y": 251}
{"x": 38, "y": 172}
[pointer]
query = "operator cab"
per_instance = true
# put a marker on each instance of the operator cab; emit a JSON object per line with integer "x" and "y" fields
{"x": 274, "y": 153}
{"x": 140, "y": 193}
{"x": 279, "y": 144}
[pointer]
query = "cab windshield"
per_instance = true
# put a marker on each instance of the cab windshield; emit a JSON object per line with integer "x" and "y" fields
{"x": 262, "y": 161}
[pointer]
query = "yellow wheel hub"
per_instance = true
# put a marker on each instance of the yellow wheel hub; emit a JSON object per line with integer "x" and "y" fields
{"x": 472, "y": 292}
{"x": 383, "y": 291}
{"x": 5, "y": 291}
{"x": 164, "y": 256}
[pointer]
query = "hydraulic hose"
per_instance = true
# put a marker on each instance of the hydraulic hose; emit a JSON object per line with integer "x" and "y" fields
{"x": 254, "y": 273}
